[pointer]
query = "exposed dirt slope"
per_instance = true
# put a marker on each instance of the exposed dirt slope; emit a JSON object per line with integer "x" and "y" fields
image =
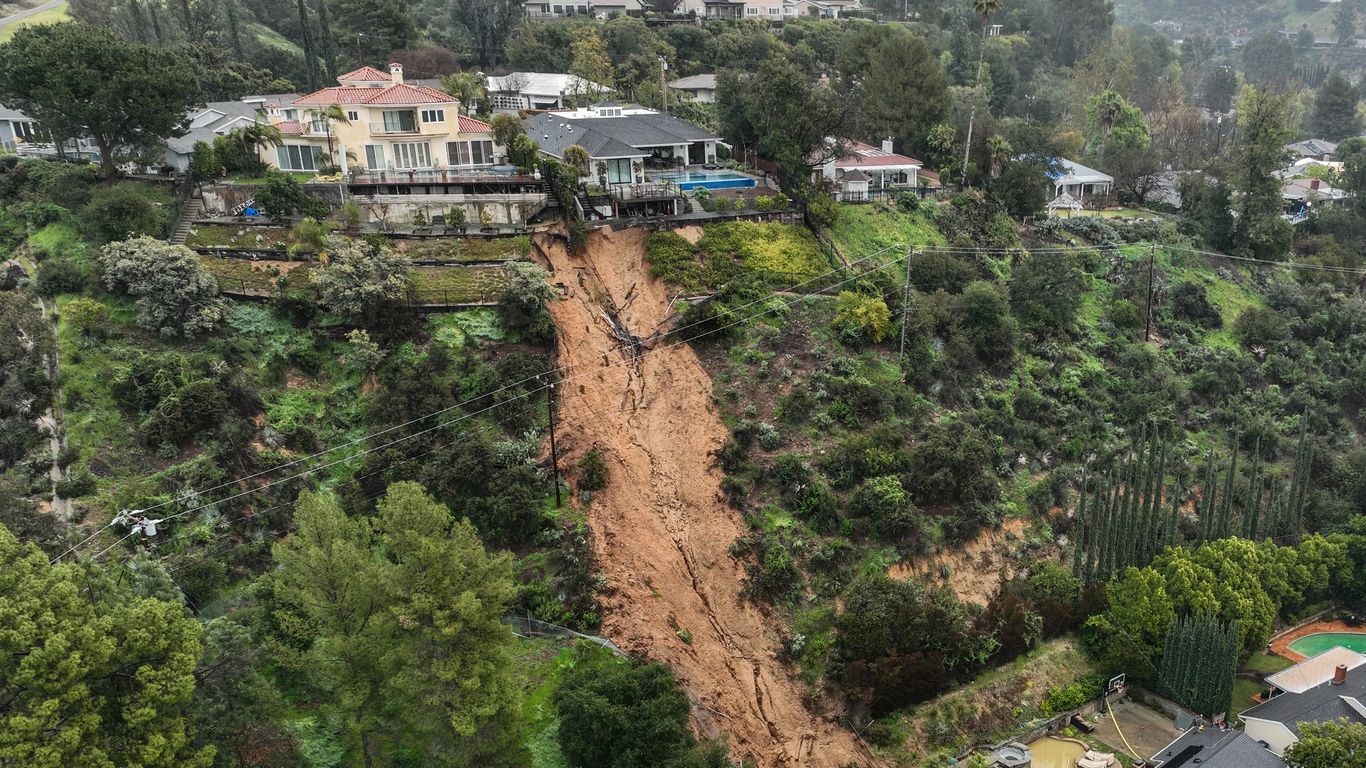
{"x": 661, "y": 531}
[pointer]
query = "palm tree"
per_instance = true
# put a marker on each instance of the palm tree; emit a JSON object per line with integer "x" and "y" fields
{"x": 986, "y": 9}
{"x": 327, "y": 114}
{"x": 258, "y": 136}
{"x": 1000, "y": 149}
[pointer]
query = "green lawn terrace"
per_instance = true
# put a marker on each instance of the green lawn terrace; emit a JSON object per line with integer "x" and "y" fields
{"x": 225, "y": 238}
{"x": 432, "y": 286}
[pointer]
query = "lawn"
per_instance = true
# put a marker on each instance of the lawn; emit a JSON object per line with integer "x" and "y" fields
{"x": 1266, "y": 663}
{"x": 863, "y": 229}
{"x": 50, "y": 16}
{"x": 1243, "y": 693}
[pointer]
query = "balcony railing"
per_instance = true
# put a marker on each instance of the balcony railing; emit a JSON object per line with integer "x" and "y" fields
{"x": 394, "y": 130}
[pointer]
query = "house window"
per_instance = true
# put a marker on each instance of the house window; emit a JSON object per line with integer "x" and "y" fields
{"x": 433, "y": 115}
{"x": 374, "y": 157}
{"x": 352, "y": 115}
{"x": 619, "y": 172}
{"x": 415, "y": 155}
{"x": 317, "y": 125}
{"x": 299, "y": 157}
{"x": 23, "y": 129}
{"x": 774, "y": 11}
{"x": 399, "y": 122}
{"x": 751, "y": 11}
{"x": 469, "y": 153}
{"x": 290, "y": 114}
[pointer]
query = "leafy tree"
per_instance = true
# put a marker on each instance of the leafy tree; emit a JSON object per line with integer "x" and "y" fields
{"x": 1190, "y": 302}
{"x": 235, "y": 706}
{"x": 399, "y": 619}
{"x": 489, "y": 22}
{"x": 1131, "y": 633}
{"x": 360, "y": 279}
{"x": 95, "y": 675}
{"x": 901, "y": 88}
{"x": 283, "y": 195}
{"x": 175, "y": 294}
{"x": 1268, "y": 58}
{"x": 953, "y": 465}
{"x": 122, "y": 211}
{"x": 506, "y": 128}
{"x": 1260, "y": 327}
{"x": 204, "y": 163}
{"x": 1335, "y": 108}
{"x": 386, "y": 24}
{"x": 617, "y": 713}
{"x": 1047, "y": 288}
{"x": 1328, "y": 745}
{"x": 859, "y": 317}
{"x": 1113, "y": 123}
{"x": 525, "y": 303}
{"x": 471, "y": 88}
{"x": 983, "y": 311}
{"x": 884, "y": 501}
{"x": 1078, "y": 26}
{"x": 590, "y": 62}
{"x": 84, "y": 81}
{"x": 1266, "y": 122}
{"x": 1022, "y": 187}
{"x": 1345, "y": 23}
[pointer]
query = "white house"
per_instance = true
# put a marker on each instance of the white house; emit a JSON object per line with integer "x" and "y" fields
{"x": 21, "y": 134}
{"x": 819, "y": 9}
{"x": 1276, "y": 721}
{"x": 1079, "y": 181}
{"x": 866, "y": 169}
{"x": 541, "y": 90}
{"x": 702, "y": 88}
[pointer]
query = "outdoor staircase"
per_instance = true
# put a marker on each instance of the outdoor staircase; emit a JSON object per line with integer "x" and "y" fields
{"x": 194, "y": 208}
{"x": 589, "y": 212}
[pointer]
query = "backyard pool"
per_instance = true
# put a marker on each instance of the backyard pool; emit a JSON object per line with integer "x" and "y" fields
{"x": 1313, "y": 645}
{"x": 690, "y": 180}
{"x": 1049, "y": 752}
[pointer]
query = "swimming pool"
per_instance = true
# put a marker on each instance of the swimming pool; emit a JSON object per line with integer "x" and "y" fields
{"x": 690, "y": 180}
{"x": 1313, "y": 645}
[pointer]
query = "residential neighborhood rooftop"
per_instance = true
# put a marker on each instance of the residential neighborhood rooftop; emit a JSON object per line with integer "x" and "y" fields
{"x": 543, "y": 84}
{"x": 706, "y": 82}
{"x": 1323, "y": 703}
{"x": 1315, "y": 670}
{"x": 621, "y": 136}
{"x": 1213, "y": 748}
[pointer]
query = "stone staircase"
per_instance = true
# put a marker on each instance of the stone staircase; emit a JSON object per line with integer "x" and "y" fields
{"x": 194, "y": 208}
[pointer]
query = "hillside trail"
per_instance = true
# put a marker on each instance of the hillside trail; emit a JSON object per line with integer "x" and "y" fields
{"x": 661, "y": 529}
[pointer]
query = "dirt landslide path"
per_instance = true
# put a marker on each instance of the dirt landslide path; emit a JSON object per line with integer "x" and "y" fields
{"x": 661, "y": 530}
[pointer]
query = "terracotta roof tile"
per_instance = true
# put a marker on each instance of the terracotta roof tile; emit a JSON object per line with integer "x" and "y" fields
{"x": 398, "y": 93}
{"x": 470, "y": 125}
{"x": 290, "y": 128}
{"x": 364, "y": 73}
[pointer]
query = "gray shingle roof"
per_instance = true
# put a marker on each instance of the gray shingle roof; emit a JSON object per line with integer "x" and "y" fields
{"x": 1320, "y": 704}
{"x": 231, "y": 110}
{"x": 1216, "y": 749}
{"x": 9, "y": 113}
{"x": 695, "y": 82}
{"x": 612, "y": 136}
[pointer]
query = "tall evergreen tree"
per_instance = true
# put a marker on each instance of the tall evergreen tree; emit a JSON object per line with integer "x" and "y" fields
{"x": 310, "y": 53}
{"x": 1335, "y": 108}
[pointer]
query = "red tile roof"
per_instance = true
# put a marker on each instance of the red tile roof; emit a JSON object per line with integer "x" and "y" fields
{"x": 398, "y": 93}
{"x": 364, "y": 73}
{"x": 470, "y": 125}
{"x": 868, "y": 156}
{"x": 290, "y": 128}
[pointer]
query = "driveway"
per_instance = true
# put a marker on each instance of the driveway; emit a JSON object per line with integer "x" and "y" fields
{"x": 20, "y": 16}
{"x": 1146, "y": 729}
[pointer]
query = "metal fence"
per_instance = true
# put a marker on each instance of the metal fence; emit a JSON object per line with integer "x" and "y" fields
{"x": 525, "y": 626}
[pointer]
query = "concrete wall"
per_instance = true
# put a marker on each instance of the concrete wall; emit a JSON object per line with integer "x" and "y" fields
{"x": 403, "y": 209}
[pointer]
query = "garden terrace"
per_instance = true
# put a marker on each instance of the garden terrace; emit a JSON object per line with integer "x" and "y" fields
{"x": 432, "y": 286}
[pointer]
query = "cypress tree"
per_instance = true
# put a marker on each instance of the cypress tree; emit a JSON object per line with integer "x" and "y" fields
{"x": 310, "y": 55}
{"x": 1125, "y": 540}
{"x": 1226, "y": 509}
{"x": 327, "y": 42}
{"x": 1093, "y": 518}
{"x": 1206, "y": 508}
{"x": 1079, "y": 539}
{"x": 1251, "y": 505}
{"x": 1174, "y": 522}
{"x": 234, "y": 30}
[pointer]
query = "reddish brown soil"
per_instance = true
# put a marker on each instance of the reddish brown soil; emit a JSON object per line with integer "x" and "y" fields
{"x": 661, "y": 530}
{"x": 975, "y": 570}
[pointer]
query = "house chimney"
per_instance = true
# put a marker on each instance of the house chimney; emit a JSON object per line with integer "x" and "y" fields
{"x": 887, "y": 146}
{"x": 396, "y": 72}
{"x": 1314, "y": 183}
{"x": 1339, "y": 674}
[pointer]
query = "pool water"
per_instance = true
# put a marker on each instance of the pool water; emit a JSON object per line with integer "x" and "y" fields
{"x": 1313, "y": 645}
{"x": 1049, "y": 752}
{"x": 689, "y": 180}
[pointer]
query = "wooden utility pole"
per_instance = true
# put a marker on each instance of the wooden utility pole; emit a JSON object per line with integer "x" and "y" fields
{"x": 663, "y": 86}
{"x": 1148, "y": 323}
{"x": 906, "y": 306}
{"x": 554, "y": 453}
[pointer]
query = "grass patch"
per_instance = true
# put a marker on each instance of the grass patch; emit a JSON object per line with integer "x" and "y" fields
{"x": 459, "y": 285}
{"x": 1243, "y": 693}
{"x": 221, "y": 236}
{"x": 863, "y": 229}
{"x": 58, "y": 239}
{"x": 456, "y": 329}
{"x": 272, "y": 39}
{"x": 785, "y": 254}
{"x": 50, "y": 16}
{"x": 1267, "y": 663}
{"x": 466, "y": 249}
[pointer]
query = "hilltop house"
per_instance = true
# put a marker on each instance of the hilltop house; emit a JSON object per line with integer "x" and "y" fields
{"x": 620, "y": 136}
{"x": 865, "y": 170}
{"x": 217, "y": 118}
{"x": 1316, "y": 149}
{"x": 1276, "y": 721}
{"x": 1079, "y": 181}
{"x": 1314, "y": 671}
{"x": 701, "y": 88}
{"x": 540, "y": 90}
{"x": 390, "y": 127}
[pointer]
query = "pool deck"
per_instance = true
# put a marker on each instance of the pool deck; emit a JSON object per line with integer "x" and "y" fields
{"x": 1281, "y": 643}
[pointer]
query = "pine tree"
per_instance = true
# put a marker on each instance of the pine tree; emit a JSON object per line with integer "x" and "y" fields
{"x": 1207, "y": 513}
{"x": 234, "y": 29}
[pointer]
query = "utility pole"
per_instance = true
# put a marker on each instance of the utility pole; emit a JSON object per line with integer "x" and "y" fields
{"x": 663, "y": 86}
{"x": 906, "y": 306}
{"x": 554, "y": 453}
{"x": 1148, "y": 324}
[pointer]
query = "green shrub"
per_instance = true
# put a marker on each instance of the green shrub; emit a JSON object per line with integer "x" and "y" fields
{"x": 908, "y": 202}
{"x": 763, "y": 203}
{"x": 59, "y": 276}
{"x": 1076, "y": 693}
{"x": 124, "y": 210}
{"x": 862, "y": 318}
{"x": 592, "y": 471}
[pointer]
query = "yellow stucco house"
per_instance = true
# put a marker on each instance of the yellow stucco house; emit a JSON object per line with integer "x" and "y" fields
{"x": 390, "y": 127}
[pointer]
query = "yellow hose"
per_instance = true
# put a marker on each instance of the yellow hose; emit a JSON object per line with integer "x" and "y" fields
{"x": 1127, "y": 745}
